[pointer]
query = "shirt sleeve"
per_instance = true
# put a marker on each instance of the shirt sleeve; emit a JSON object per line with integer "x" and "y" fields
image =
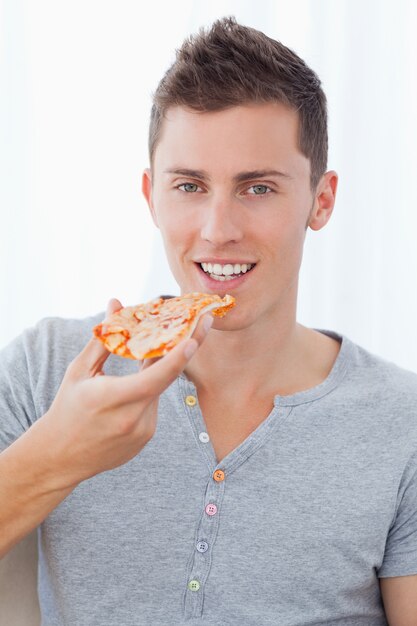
{"x": 32, "y": 367}
{"x": 400, "y": 557}
{"x": 17, "y": 407}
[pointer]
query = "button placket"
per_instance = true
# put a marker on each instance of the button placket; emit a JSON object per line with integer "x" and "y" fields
{"x": 199, "y": 565}
{"x": 190, "y": 399}
{"x": 206, "y": 537}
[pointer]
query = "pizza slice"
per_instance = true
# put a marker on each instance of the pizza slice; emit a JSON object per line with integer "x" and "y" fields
{"x": 154, "y": 328}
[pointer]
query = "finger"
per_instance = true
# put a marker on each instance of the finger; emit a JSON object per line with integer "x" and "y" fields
{"x": 113, "y": 305}
{"x": 147, "y": 362}
{"x": 92, "y": 357}
{"x": 152, "y": 380}
{"x": 202, "y": 328}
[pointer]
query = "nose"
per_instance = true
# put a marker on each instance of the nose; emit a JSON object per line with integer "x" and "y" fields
{"x": 222, "y": 221}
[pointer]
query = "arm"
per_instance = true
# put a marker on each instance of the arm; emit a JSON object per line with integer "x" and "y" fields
{"x": 399, "y": 595}
{"x": 95, "y": 423}
{"x": 27, "y": 490}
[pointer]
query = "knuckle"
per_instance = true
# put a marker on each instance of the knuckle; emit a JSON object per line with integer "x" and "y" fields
{"x": 149, "y": 432}
{"x": 71, "y": 370}
{"x": 92, "y": 395}
{"x": 126, "y": 426}
{"x": 147, "y": 387}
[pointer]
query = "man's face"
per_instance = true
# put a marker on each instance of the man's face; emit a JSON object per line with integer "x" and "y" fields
{"x": 246, "y": 198}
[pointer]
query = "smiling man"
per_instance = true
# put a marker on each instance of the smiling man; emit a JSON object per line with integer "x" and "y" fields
{"x": 241, "y": 203}
{"x": 270, "y": 478}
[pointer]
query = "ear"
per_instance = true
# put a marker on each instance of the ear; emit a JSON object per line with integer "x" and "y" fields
{"x": 147, "y": 192}
{"x": 324, "y": 200}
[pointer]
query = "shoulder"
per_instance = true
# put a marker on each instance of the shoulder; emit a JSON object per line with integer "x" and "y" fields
{"x": 369, "y": 373}
{"x": 45, "y": 349}
{"x": 67, "y": 326}
{"x": 60, "y": 337}
{"x": 381, "y": 393}
{"x": 389, "y": 378}
{"x": 31, "y": 368}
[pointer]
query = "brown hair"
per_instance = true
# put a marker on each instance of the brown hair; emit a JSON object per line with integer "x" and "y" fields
{"x": 231, "y": 65}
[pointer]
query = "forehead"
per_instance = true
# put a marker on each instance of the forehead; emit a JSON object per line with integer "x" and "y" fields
{"x": 251, "y": 136}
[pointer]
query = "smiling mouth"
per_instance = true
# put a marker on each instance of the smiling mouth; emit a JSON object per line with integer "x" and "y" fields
{"x": 222, "y": 277}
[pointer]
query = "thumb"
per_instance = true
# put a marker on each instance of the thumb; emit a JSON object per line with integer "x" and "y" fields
{"x": 165, "y": 370}
{"x": 92, "y": 357}
{"x": 113, "y": 305}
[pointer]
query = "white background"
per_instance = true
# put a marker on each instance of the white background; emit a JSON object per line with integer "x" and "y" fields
{"x": 76, "y": 79}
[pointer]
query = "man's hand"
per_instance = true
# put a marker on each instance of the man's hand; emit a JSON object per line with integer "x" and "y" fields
{"x": 98, "y": 422}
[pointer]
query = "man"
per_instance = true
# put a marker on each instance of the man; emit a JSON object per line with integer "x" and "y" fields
{"x": 270, "y": 476}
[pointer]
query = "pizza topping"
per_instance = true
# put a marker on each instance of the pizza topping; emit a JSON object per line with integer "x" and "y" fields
{"x": 154, "y": 328}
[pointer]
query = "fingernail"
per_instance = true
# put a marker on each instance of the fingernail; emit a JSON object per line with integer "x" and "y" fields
{"x": 208, "y": 321}
{"x": 190, "y": 348}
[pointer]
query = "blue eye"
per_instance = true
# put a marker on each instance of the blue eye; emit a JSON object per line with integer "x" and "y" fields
{"x": 187, "y": 187}
{"x": 259, "y": 190}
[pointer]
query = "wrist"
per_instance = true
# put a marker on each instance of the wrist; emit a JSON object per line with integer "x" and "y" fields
{"x": 35, "y": 463}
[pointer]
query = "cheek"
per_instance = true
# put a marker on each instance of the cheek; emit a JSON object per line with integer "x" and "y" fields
{"x": 178, "y": 226}
{"x": 294, "y": 244}
{"x": 171, "y": 218}
{"x": 285, "y": 244}
{"x": 177, "y": 237}
{"x": 175, "y": 233}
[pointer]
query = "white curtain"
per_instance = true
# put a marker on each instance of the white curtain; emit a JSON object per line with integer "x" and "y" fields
{"x": 75, "y": 81}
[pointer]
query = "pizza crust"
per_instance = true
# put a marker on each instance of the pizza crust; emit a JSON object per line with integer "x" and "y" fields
{"x": 154, "y": 328}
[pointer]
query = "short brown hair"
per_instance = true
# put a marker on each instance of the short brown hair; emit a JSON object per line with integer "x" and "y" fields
{"x": 231, "y": 65}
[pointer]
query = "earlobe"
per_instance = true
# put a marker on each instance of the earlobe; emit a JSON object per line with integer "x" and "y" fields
{"x": 319, "y": 216}
{"x": 147, "y": 192}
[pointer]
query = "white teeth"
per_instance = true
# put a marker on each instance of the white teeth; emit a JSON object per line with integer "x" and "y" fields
{"x": 221, "y": 278}
{"x": 226, "y": 270}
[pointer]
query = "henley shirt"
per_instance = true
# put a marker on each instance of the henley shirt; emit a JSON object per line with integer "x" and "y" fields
{"x": 292, "y": 528}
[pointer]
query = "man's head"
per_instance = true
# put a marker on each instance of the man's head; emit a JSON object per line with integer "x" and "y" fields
{"x": 231, "y": 187}
{"x": 230, "y": 65}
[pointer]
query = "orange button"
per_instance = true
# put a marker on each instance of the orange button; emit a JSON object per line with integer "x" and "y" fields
{"x": 218, "y": 475}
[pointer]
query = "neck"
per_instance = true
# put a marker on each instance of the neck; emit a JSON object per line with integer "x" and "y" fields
{"x": 253, "y": 361}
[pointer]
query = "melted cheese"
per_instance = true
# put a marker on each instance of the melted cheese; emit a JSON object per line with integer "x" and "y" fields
{"x": 152, "y": 329}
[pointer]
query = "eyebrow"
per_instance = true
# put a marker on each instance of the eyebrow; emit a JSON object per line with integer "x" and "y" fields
{"x": 238, "y": 178}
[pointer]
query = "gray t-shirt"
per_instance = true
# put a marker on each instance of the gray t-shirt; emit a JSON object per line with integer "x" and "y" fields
{"x": 315, "y": 505}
